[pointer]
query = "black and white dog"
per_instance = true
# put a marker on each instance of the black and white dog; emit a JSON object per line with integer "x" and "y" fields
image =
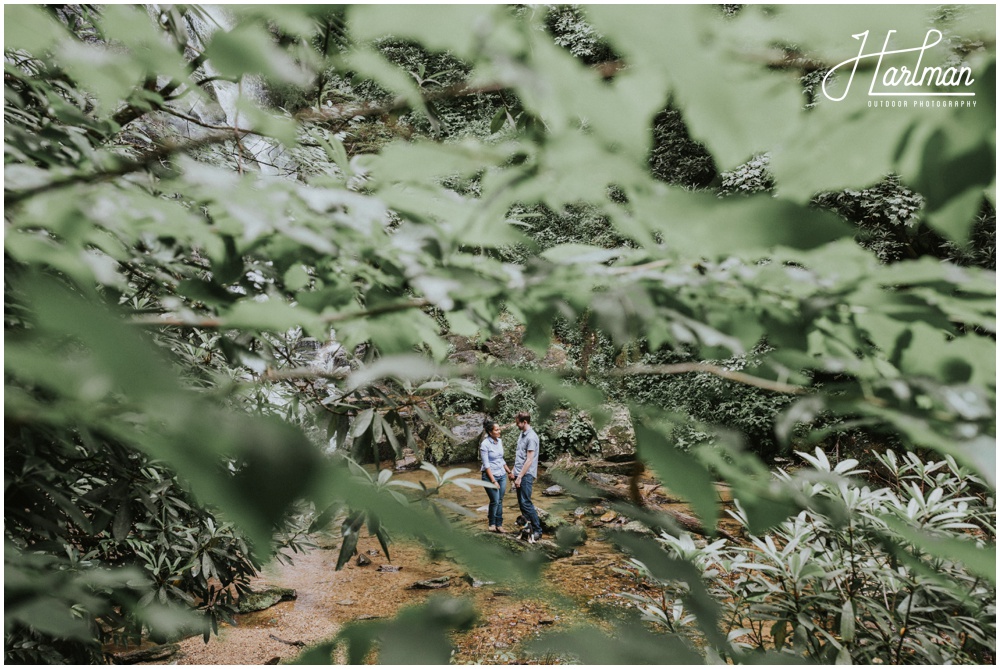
{"x": 524, "y": 527}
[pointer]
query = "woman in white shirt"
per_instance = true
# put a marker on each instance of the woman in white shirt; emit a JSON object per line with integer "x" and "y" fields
{"x": 495, "y": 470}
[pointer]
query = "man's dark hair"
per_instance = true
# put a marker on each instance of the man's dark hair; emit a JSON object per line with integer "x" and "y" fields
{"x": 523, "y": 417}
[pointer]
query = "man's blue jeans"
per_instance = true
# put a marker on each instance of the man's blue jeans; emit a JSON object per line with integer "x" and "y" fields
{"x": 495, "y": 513}
{"x": 525, "y": 504}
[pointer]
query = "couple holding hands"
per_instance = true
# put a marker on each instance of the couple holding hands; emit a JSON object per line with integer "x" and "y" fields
{"x": 523, "y": 473}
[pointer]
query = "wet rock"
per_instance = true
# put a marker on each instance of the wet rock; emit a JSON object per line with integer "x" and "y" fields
{"x": 408, "y": 461}
{"x": 374, "y": 552}
{"x": 616, "y": 440}
{"x": 637, "y": 527}
{"x": 364, "y": 560}
{"x": 346, "y": 602}
{"x": 151, "y": 654}
{"x": 431, "y": 584}
{"x": 511, "y": 542}
{"x": 553, "y": 550}
{"x": 609, "y": 517}
{"x": 389, "y": 569}
{"x": 546, "y": 621}
{"x": 579, "y": 512}
{"x": 368, "y": 616}
{"x": 475, "y": 582}
{"x": 553, "y": 491}
{"x": 598, "y": 510}
{"x": 258, "y": 600}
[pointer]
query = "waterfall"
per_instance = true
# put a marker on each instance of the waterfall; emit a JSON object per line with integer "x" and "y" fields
{"x": 260, "y": 153}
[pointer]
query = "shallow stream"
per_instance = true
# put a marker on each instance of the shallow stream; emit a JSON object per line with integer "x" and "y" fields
{"x": 569, "y": 589}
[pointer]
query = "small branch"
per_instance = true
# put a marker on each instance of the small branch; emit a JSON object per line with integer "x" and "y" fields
{"x": 297, "y": 644}
{"x": 705, "y": 368}
{"x": 198, "y": 122}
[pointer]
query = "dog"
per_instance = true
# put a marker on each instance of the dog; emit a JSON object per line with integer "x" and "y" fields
{"x": 525, "y": 533}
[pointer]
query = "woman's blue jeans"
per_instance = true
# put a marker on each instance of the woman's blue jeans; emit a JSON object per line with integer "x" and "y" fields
{"x": 495, "y": 513}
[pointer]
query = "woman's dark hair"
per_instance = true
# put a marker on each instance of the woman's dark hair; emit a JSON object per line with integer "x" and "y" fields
{"x": 488, "y": 426}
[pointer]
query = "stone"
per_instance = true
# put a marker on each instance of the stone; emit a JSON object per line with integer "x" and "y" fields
{"x": 553, "y": 491}
{"x": 431, "y": 583}
{"x": 408, "y": 462}
{"x": 460, "y": 444}
{"x": 389, "y": 569}
{"x": 475, "y": 582}
{"x": 579, "y": 512}
{"x": 374, "y": 552}
{"x": 364, "y": 560}
{"x": 616, "y": 440}
{"x": 151, "y": 654}
{"x": 258, "y": 600}
{"x": 637, "y": 527}
{"x": 597, "y": 510}
{"x": 608, "y": 517}
{"x": 346, "y": 602}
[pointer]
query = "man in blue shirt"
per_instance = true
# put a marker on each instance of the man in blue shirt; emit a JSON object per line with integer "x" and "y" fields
{"x": 525, "y": 472}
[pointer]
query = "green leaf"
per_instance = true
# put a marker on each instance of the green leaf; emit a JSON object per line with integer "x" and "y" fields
{"x": 250, "y": 49}
{"x": 630, "y": 644}
{"x": 431, "y": 25}
{"x": 272, "y": 315}
{"x": 498, "y": 120}
{"x": 31, "y": 28}
{"x": 978, "y": 559}
{"x": 48, "y": 615}
{"x": 847, "y": 621}
{"x": 688, "y": 45}
{"x": 700, "y": 223}
{"x": 678, "y": 471}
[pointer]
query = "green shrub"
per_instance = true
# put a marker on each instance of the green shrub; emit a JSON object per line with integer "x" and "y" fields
{"x": 844, "y": 581}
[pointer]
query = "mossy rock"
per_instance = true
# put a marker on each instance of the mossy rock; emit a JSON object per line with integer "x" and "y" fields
{"x": 461, "y": 445}
{"x": 258, "y": 600}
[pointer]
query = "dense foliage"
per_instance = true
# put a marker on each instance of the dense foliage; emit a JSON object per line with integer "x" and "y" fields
{"x": 194, "y": 196}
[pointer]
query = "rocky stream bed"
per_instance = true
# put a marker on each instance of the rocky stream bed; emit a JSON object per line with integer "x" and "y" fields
{"x": 572, "y": 586}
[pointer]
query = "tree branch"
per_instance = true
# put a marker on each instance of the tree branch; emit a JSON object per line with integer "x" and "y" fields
{"x": 705, "y": 368}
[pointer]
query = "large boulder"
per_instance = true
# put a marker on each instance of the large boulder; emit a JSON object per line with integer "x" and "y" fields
{"x": 460, "y": 444}
{"x": 616, "y": 440}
